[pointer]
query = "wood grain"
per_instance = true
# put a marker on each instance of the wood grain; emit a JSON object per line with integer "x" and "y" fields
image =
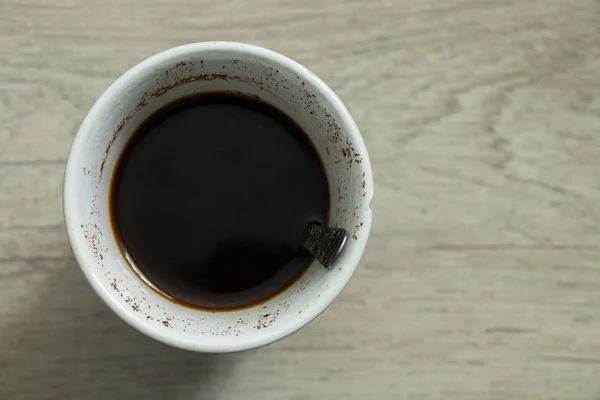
{"x": 482, "y": 274}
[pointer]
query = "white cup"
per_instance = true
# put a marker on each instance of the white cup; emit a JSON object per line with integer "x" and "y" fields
{"x": 159, "y": 80}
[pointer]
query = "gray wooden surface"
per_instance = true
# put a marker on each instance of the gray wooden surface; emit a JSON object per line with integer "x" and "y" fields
{"x": 482, "y": 274}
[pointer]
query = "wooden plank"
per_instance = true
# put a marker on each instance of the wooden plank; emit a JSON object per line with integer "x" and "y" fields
{"x": 481, "y": 277}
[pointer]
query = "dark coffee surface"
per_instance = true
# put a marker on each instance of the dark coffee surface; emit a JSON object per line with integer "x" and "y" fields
{"x": 212, "y": 198}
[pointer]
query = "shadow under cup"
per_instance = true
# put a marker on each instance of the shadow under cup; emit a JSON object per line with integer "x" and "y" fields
{"x": 152, "y": 84}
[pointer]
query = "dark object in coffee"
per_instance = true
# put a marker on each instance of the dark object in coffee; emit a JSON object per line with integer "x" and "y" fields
{"x": 212, "y": 198}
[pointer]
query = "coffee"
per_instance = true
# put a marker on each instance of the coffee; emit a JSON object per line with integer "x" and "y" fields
{"x": 212, "y": 197}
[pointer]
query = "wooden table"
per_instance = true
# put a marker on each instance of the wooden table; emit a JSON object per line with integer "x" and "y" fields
{"x": 482, "y": 274}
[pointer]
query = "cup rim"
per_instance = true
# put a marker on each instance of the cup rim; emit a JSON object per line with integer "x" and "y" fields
{"x": 84, "y": 256}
